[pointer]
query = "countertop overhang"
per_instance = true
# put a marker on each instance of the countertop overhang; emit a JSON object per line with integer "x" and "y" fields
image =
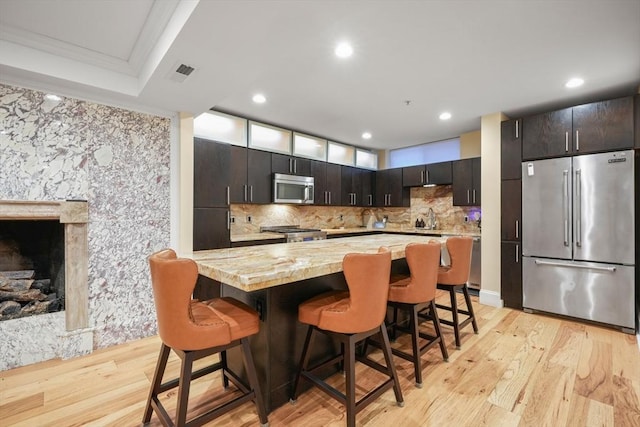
{"x": 336, "y": 232}
{"x": 253, "y": 268}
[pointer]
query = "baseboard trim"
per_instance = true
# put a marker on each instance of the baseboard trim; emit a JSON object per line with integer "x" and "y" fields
{"x": 491, "y": 298}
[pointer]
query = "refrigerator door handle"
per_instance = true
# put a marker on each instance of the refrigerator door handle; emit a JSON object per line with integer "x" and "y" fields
{"x": 579, "y": 204}
{"x": 565, "y": 205}
{"x": 612, "y": 269}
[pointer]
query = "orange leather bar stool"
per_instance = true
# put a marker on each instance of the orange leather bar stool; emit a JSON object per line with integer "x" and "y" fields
{"x": 454, "y": 277}
{"x": 417, "y": 294}
{"x": 193, "y": 330}
{"x": 351, "y": 317}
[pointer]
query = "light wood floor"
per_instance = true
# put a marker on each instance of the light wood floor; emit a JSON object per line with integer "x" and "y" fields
{"x": 520, "y": 370}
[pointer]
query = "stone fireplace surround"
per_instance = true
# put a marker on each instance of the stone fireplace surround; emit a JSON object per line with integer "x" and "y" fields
{"x": 74, "y": 215}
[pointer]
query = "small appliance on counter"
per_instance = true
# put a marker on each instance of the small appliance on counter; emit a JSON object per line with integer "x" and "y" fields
{"x": 381, "y": 224}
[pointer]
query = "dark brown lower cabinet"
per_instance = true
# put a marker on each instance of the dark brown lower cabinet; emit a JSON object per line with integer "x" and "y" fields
{"x": 511, "y": 274}
{"x": 211, "y": 228}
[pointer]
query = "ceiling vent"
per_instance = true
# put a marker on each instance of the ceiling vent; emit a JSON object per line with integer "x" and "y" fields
{"x": 182, "y": 71}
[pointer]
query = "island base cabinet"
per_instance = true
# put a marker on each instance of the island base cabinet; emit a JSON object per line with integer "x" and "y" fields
{"x": 277, "y": 347}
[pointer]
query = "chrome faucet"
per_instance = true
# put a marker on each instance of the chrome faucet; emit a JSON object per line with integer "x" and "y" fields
{"x": 432, "y": 219}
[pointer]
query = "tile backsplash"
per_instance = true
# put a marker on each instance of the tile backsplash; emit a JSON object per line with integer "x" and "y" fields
{"x": 439, "y": 198}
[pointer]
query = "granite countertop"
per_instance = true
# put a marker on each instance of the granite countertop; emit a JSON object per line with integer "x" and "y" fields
{"x": 352, "y": 230}
{"x": 259, "y": 267}
{"x": 256, "y": 236}
{"x": 411, "y": 230}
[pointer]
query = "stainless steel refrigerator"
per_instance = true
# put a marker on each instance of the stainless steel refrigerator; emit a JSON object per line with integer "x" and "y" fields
{"x": 578, "y": 237}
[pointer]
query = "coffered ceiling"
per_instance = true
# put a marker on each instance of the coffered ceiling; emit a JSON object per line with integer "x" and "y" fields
{"x": 412, "y": 60}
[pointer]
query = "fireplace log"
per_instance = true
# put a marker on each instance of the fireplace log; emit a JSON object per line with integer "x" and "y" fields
{"x": 43, "y": 285}
{"x": 19, "y": 274}
{"x": 15, "y": 285}
{"x": 9, "y": 307}
{"x": 38, "y": 307}
{"x": 28, "y": 295}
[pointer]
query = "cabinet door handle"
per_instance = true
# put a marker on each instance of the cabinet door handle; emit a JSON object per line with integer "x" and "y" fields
{"x": 474, "y": 195}
{"x": 517, "y": 130}
{"x": 251, "y": 193}
{"x": 370, "y": 200}
{"x": 428, "y": 177}
{"x": 329, "y": 196}
{"x": 517, "y": 227}
{"x": 517, "y": 253}
{"x": 578, "y": 215}
{"x": 228, "y": 195}
{"x": 245, "y": 188}
{"x": 565, "y": 205}
{"x": 468, "y": 196}
{"x": 295, "y": 165}
{"x": 421, "y": 177}
{"x": 577, "y": 140}
{"x": 566, "y": 141}
{"x": 228, "y": 220}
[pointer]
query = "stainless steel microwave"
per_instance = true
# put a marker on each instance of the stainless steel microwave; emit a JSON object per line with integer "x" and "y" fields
{"x": 292, "y": 189}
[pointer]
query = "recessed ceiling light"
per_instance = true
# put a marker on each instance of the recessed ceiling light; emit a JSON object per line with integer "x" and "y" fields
{"x": 259, "y": 98}
{"x": 52, "y": 97}
{"x": 445, "y": 116}
{"x": 366, "y": 135}
{"x": 574, "y": 82}
{"x": 344, "y": 50}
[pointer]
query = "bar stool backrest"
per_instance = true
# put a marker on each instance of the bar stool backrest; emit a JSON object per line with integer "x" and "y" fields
{"x": 423, "y": 260}
{"x": 459, "y": 249}
{"x": 173, "y": 280}
{"x": 367, "y": 277}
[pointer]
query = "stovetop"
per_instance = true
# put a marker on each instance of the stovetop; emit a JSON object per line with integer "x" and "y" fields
{"x": 288, "y": 229}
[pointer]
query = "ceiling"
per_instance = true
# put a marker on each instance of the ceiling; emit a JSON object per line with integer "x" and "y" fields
{"x": 412, "y": 60}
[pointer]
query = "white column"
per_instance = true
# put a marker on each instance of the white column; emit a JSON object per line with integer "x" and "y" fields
{"x": 490, "y": 155}
{"x": 185, "y": 186}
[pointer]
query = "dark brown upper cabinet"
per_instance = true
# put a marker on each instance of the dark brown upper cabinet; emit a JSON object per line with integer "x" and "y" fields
{"x": 603, "y": 126}
{"x": 250, "y": 176}
{"x": 327, "y": 180}
{"x": 466, "y": 182}
{"x": 356, "y": 186}
{"x": 211, "y": 173}
{"x": 589, "y": 128}
{"x": 547, "y": 135}
{"x": 290, "y": 165}
{"x": 430, "y": 174}
{"x": 511, "y": 149}
{"x": 389, "y": 189}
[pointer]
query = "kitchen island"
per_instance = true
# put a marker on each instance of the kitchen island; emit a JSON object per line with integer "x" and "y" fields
{"x": 275, "y": 279}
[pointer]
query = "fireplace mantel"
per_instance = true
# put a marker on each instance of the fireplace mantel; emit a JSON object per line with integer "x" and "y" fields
{"x": 75, "y": 216}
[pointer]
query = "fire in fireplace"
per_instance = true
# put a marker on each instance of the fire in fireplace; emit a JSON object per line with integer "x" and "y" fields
{"x": 31, "y": 268}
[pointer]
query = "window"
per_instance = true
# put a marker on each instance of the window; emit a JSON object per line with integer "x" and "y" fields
{"x": 366, "y": 159}
{"x": 221, "y": 127}
{"x": 341, "y": 154}
{"x": 309, "y": 146}
{"x": 269, "y": 138}
{"x": 432, "y": 152}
